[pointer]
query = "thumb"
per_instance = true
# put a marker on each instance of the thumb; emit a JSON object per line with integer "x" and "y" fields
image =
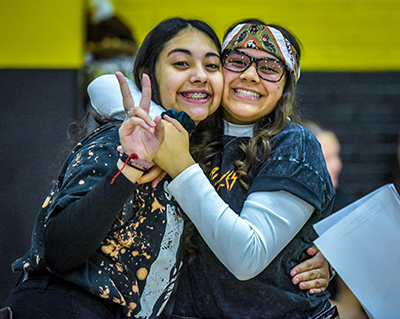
{"x": 159, "y": 130}
{"x": 175, "y": 123}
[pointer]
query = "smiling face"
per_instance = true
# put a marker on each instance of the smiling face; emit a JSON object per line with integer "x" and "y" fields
{"x": 189, "y": 75}
{"x": 247, "y": 97}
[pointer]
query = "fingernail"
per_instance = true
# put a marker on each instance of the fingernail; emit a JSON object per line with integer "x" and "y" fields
{"x": 294, "y": 273}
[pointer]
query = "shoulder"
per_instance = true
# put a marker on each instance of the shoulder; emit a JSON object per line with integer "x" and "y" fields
{"x": 297, "y": 145}
{"x": 97, "y": 152}
{"x": 295, "y": 140}
{"x": 296, "y": 165}
{"x": 105, "y": 134}
{"x": 102, "y": 138}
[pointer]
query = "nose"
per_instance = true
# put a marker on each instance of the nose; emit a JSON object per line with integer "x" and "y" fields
{"x": 199, "y": 75}
{"x": 251, "y": 74}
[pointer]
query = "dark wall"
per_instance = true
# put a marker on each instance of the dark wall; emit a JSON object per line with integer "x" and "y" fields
{"x": 37, "y": 107}
{"x": 363, "y": 109}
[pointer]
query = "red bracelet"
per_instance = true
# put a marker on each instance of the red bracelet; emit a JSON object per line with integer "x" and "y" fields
{"x": 134, "y": 161}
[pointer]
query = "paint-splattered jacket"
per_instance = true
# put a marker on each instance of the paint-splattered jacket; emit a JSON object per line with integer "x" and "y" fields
{"x": 136, "y": 264}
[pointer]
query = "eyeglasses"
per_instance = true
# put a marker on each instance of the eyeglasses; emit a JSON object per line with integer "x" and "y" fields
{"x": 268, "y": 69}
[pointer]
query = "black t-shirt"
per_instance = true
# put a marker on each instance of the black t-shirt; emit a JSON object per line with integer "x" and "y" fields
{"x": 207, "y": 289}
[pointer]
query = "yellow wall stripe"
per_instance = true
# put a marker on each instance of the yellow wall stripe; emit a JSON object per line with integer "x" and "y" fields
{"x": 337, "y": 35}
{"x": 41, "y": 34}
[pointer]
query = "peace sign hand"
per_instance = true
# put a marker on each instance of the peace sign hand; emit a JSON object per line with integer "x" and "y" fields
{"x": 139, "y": 133}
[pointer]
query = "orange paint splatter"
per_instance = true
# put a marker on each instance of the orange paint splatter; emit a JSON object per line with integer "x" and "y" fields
{"x": 146, "y": 255}
{"x": 104, "y": 292}
{"x": 46, "y": 202}
{"x": 142, "y": 273}
{"x": 132, "y": 305}
{"x": 119, "y": 267}
{"x": 110, "y": 250}
{"x": 156, "y": 205}
{"x": 135, "y": 288}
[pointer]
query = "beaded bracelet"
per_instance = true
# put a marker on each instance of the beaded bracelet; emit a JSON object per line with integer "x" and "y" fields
{"x": 133, "y": 160}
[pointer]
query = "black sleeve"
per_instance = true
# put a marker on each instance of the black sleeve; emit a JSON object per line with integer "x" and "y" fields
{"x": 76, "y": 231}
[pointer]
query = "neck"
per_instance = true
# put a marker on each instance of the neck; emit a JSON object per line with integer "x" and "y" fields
{"x": 238, "y": 130}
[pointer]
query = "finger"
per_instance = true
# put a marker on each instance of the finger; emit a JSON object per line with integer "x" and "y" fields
{"x": 158, "y": 179}
{"x": 317, "y": 284}
{"x": 315, "y": 274}
{"x": 159, "y": 130}
{"x": 125, "y": 91}
{"x": 303, "y": 277}
{"x": 312, "y": 250}
{"x": 128, "y": 126}
{"x": 150, "y": 175}
{"x": 318, "y": 261}
{"x": 138, "y": 112}
{"x": 309, "y": 264}
{"x": 316, "y": 290}
{"x": 146, "y": 93}
{"x": 175, "y": 123}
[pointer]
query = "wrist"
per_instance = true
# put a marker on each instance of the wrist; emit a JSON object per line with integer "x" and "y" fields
{"x": 129, "y": 172}
{"x": 131, "y": 166}
{"x": 184, "y": 163}
{"x": 134, "y": 161}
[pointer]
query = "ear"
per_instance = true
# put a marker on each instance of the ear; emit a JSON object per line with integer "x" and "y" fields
{"x": 141, "y": 71}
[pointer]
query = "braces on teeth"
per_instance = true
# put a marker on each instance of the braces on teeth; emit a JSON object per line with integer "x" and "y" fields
{"x": 247, "y": 93}
{"x": 196, "y": 96}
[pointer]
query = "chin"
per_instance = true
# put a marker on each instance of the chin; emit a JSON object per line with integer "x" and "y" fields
{"x": 198, "y": 116}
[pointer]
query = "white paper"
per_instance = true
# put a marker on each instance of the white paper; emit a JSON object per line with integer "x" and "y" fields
{"x": 362, "y": 243}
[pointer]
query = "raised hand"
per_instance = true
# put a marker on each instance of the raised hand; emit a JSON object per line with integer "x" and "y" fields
{"x": 139, "y": 133}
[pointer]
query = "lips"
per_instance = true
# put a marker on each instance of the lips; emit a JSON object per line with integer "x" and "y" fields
{"x": 247, "y": 93}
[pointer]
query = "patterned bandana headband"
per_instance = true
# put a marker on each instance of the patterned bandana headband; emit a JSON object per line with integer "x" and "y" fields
{"x": 262, "y": 37}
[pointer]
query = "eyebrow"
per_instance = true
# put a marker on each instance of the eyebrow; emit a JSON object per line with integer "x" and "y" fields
{"x": 185, "y": 51}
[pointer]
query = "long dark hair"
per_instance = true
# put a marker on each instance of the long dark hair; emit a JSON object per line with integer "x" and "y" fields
{"x": 154, "y": 43}
{"x": 207, "y": 141}
{"x": 146, "y": 61}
